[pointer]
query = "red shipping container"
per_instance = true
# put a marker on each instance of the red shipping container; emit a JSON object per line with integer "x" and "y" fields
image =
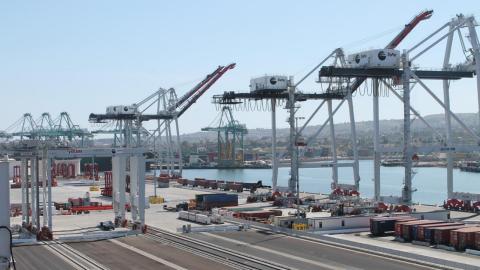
{"x": 213, "y": 184}
{"x": 463, "y": 238}
{"x": 182, "y": 181}
{"x": 259, "y": 214}
{"x": 163, "y": 179}
{"x": 421, "y": 228}
{"x": 404, "y": 228}
{"x": 442, "y": 234}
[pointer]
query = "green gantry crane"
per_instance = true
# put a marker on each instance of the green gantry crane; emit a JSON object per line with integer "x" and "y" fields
{"x": 230, "y": 135}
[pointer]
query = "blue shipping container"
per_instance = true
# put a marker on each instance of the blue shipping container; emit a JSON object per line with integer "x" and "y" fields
{"x": 209, "y": 201}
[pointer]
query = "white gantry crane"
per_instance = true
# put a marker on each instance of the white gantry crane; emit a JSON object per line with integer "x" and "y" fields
{"x": 395, "y": 71}
{"x": 163, "y": 107}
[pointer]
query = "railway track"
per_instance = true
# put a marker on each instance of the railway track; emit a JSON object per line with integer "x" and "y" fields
{"x": 73, "y": 257}
{"x": 231, "y": 258}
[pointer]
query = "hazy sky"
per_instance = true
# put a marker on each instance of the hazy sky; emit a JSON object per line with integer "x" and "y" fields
{"x": 81, "y": 56}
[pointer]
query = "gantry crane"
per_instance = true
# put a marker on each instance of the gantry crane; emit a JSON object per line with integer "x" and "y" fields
{"x": 405, "y": 77}
{"x": 230, "y": 134}
{"x": 163, "y": 107}
{"x": 343, "y": 93}
{"x": 46, "y": 129}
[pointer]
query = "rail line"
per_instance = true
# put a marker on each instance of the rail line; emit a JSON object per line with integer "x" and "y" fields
{"x": 73, "y": 257}
{"x": 231, "y": 258}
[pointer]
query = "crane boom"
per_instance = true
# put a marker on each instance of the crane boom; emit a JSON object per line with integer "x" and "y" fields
{"x": 401, "y": 36}
{"x": 192, "y": 96}
{"x": 409, "y": 27}
{"x": 187, "y": 95}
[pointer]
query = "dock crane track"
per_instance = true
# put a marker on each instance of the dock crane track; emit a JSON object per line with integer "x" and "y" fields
{"x": 210, "y": 251}
{"x": 73, "y": 256}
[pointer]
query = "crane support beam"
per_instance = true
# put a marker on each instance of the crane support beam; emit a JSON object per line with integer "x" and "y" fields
{"x": 235, "y": 98}
{"x": 331, "y": 71}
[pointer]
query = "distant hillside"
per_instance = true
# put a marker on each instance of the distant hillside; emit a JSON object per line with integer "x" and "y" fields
{"x": 364, "y": 128}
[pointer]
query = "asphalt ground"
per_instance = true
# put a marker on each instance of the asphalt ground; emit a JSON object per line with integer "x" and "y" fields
{"x": 301, "y": 254}
{"x": 37, "y": 257}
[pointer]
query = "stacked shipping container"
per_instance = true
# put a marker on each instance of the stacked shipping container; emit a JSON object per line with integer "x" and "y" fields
{"x": 464, "y": 238}
{"x": 421, "y": 229}
{"x": 381, "y": 225}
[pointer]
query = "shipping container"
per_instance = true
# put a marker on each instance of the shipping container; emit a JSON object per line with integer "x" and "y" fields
{"x": 216, "y": 218}
{"x": 444, "y": 234}
{"x": 223, "y": 186}
{"x": 163, "y": 182}
{"x": 206, "y": 183}
{"x": 182, "y": 181}
{"x": 213, "y": 184}
{"x": 183, "y": 215}
{"x": 463, "y": 238}
{"x": 199, "y": 182}
{"x": 235, "y": 187}
{"x": 401, "y": 227}
{"x": 260, "y": 214}
{"x": 192, "y": 216}
{"x": 381, "y": 225}
{"x": 209, "y": 201}
{"x": 441, "y": 235}
{"x": 477, "y": 241}
{"x": 203, "y": 219}
{"x": 421, "y": 229}
{"x": 411, "y": 230}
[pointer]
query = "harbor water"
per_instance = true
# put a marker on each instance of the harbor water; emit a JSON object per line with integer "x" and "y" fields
{"x": 430, "y": 182}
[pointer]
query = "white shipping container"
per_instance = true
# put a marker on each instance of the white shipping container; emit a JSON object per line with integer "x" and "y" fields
{"x": 269, "y": 84}
{"x": 378, "y": 58}
{"x": 183, "y": 215}
{"x": 192, "y": 216}
{"x": 203, "y": 219}
{"x": 216, "y": 218}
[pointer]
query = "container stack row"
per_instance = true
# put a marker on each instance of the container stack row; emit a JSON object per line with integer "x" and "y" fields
{"x": 431, "y": 232}
{"x": 200, "y": 217}
{"x": 214, "y": 184}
